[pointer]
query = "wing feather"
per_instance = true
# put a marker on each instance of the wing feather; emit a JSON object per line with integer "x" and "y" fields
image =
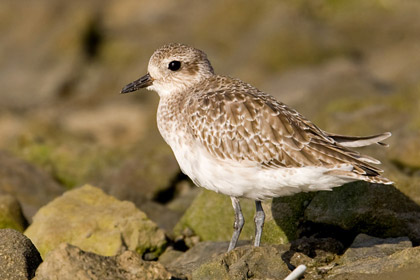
{"x": 240, "y": 123}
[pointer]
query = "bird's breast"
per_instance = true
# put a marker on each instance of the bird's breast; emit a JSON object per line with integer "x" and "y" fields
{"x": 172, "y": 122}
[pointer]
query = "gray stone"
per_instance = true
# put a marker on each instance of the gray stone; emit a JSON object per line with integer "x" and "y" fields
{"x": 365, "y": 245}
{"x": 375, "y": 258}
{"x": 380, "y": 266}
{"x": 29, "y": 184}
{"x": 95, "y": 222}
{"x": 146, "y": 171}
{"x": 68, "y": 262}
{"x": 245, "y": 262}
{"x": 184, "y": 264}
{"x": 164, "y": 217}
{"x": 367, "y": 258}
{"x": 142, "y": 176}
{"x": 377, "y": 210}
{"x": 18, "y": 256}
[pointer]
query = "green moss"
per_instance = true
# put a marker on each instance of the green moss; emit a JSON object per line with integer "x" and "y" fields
{"x": 211, "y": 217}
{"x": 71, "y": 163}
{"x": 7, "y": 222}
{"x": 11, "y": 214}
{"x": 211, "y": 270}
{"x": 273, "y": 234}
{"x": 90, "y": 219}
{"x": 288, "y": 211}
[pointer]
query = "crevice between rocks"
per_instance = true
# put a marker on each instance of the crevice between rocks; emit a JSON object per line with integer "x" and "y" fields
{"x": 166, "y": 195}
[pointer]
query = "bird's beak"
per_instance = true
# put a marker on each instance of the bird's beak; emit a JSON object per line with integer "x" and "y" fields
{"x": 143, "y": 82}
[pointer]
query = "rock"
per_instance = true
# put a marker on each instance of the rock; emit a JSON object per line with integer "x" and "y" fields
{"x": 30, "y": 185}
{"x": 148, "y": 171}
{"x": 186, "y": 193}
{"x": 246, "y": 262}
{"x": 70, "y": 262}
{"x": 11, "y": 215}
{"x": 169, "y": 256}
{"x": 164, "y": 217}
{"x": 88, "y": 218}
{"x": 211, "y": 217}
{"x": 409, "y": 274}
{"x": 287, "y": 213}
{"x": 373, "y": 247}
{"x": 380, "y": 259}
{"x": 18, "y": 256}
{"x": 183, "y": 264}
{"x": 367, "y": 208}
{"x": 110, "y": 124}
{"x": 322, "y": 256}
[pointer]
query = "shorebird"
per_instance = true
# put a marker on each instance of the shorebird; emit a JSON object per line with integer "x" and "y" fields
{"x": 231, "y": 138}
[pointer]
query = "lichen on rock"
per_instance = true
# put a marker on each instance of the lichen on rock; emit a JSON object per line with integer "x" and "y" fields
{"x": 88, "y": 218}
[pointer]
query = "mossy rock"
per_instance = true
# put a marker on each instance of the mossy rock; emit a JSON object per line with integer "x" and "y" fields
{"x": 211, "y": 217}
{"x": 70, "y": 162}
{"x": 11, "y": 215}
{"x": 88, "y": 218}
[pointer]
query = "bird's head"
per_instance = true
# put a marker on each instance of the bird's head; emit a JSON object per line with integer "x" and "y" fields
{"x": 173, "y": 68}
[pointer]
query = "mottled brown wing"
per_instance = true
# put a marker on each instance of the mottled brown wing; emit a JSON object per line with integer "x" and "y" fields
{"x": 243, "y": 123}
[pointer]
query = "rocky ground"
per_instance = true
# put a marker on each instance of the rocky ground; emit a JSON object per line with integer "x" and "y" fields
{"x": 89, "y": 190}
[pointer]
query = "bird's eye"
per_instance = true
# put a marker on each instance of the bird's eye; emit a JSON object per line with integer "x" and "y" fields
{"x": 174, "y": 65}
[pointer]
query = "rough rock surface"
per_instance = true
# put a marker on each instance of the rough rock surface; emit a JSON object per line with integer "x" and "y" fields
{"x": 68, "y": 262}
{"x": 29, "y": 184}
{"x": 143, "y": 173}
{"x": 360, "y": 207}
{"x": 367, "y": 258}
{"x": 18, "y": 256}
{"x": 244, "y": 263}
{"x": 95, "y": 222}
{"x": 365, "y": 245}
{"x": 141, "y": 177}
{"x": 373, "y": 258}
{"x": 183, "y": 264}
{"x": 11, "y": 215}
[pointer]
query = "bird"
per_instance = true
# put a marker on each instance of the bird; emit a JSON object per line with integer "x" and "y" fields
{"x": 232, "y": 138}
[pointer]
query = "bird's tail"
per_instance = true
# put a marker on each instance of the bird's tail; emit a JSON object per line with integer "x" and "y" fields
{"x": 359, "y": 141}
{"x": 363, "y": 170}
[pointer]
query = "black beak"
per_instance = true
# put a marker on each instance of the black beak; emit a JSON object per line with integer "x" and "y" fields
{"x": 143, "y": 82}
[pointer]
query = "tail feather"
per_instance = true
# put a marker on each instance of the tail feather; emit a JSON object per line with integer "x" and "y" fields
{"x": 362, "y": 169}
{"x": 360, "y": 141}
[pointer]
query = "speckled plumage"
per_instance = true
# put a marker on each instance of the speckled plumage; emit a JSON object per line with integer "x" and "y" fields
{"x": 232, "y": 138}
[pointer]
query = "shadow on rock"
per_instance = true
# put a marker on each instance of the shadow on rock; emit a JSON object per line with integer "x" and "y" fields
{"x": 359, "y": 207}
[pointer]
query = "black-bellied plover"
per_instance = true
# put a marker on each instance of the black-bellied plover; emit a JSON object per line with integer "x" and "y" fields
{"x": 231, "y": 138}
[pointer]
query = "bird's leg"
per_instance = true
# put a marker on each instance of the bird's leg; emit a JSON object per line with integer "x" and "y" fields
{"x": 259, "y": 222}
{"x": 239, "y": 223}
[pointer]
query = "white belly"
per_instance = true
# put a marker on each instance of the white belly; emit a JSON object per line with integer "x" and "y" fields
{"x": 249, "y": 179}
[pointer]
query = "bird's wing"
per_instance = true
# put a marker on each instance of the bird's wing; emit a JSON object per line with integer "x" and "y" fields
{"x": 241, "y": 123}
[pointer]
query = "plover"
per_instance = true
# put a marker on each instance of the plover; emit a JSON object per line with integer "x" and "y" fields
{"x": 231, "y": 138}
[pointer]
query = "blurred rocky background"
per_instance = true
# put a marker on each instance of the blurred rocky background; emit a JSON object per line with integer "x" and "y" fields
{"x": 353, "y": 67}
